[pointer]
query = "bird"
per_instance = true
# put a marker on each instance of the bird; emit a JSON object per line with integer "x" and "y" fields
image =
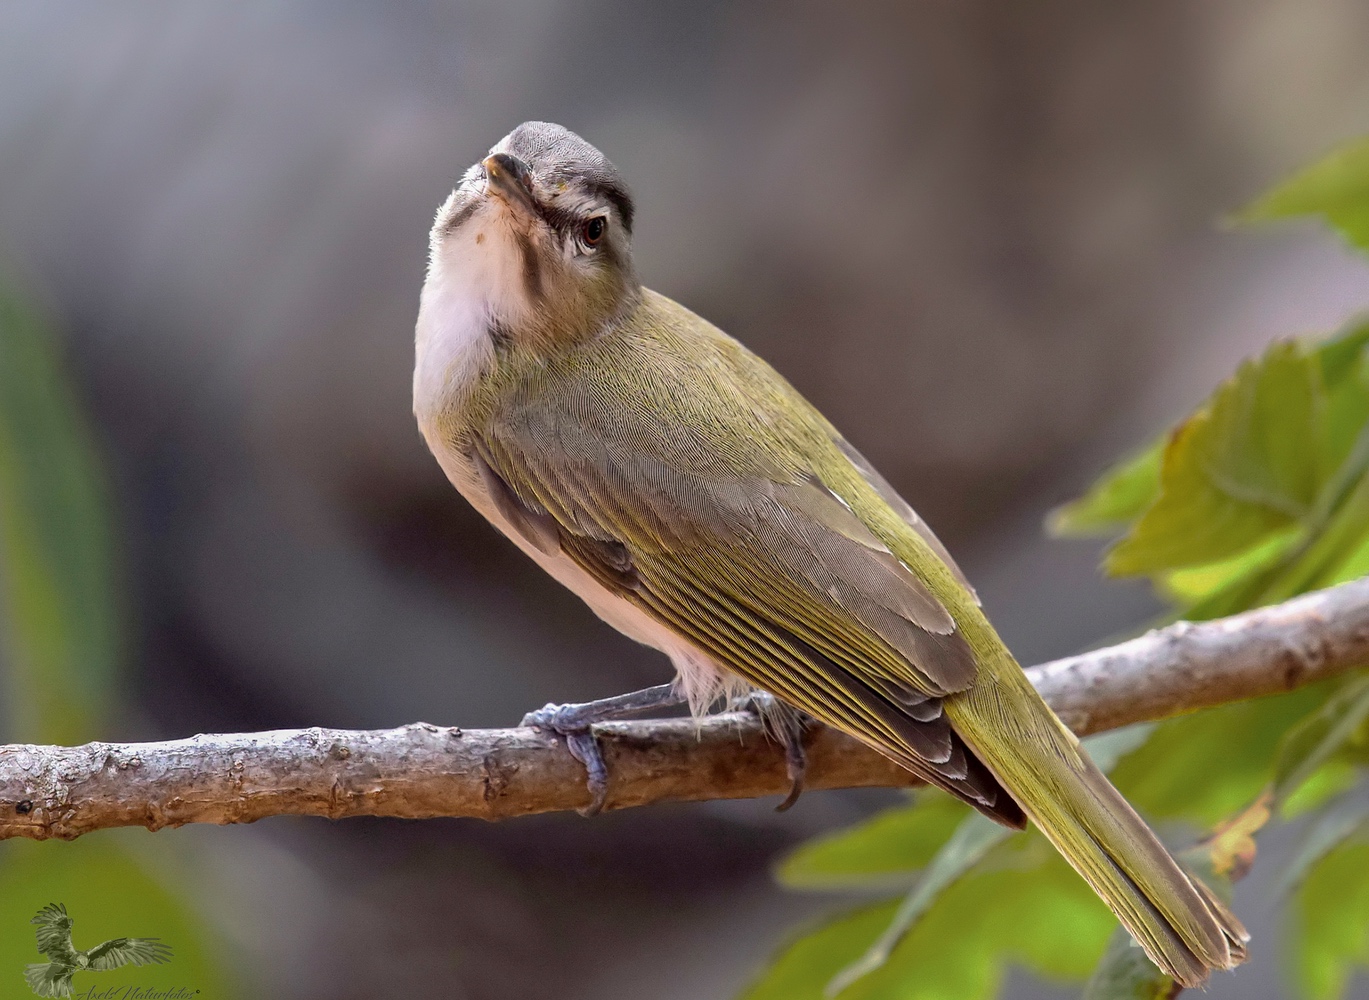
{"x": 698, "y": 503}
{"x": 53, "y": 978}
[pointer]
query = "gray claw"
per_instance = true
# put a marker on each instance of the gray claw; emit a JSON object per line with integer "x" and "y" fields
{"x": 552, "y": 716}
{"x": 786, "y": 725}
{"x": 585, "y": 748}
{"x": 568, "y": 723}
{"x": 796, "y": 767}
{"x": 574, "y": 723}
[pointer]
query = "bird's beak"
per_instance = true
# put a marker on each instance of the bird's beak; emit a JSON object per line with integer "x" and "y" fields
{"x": 511, "y": 179}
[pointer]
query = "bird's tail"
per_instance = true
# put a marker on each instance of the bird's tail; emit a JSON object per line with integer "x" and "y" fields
{"x": 1184, "y": 928}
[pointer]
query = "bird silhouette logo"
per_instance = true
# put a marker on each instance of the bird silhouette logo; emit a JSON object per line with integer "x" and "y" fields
{"x": 53, "y": 978}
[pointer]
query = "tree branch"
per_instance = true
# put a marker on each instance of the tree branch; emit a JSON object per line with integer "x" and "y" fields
{"x": 421, "y": 771}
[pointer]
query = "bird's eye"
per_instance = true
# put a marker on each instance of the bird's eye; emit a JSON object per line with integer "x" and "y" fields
{"x": 592, "y": 231}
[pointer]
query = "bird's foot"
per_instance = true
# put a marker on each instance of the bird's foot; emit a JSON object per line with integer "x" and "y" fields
{"x": 575, "y": 724}
{"x": 786, "y": 725}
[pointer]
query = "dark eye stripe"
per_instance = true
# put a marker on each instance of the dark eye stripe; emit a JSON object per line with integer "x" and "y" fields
{"x": 569, "y": 225}
{"x": 618, "y": 198}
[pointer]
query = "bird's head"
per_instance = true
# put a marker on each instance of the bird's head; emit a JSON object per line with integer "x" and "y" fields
{"x": 540, "y": 233}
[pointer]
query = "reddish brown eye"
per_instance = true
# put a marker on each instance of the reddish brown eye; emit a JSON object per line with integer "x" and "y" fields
{"x": 593, "y": 230}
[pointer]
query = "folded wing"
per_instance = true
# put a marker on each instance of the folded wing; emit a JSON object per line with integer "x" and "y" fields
{"x": 768, "y": 571}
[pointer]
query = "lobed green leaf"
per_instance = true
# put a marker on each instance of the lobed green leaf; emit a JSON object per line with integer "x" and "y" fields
{"x": 803, "y": 966}
{"x": 1335, "y": 188}
{"x": 973, "y": 839}
{"x": 1261, "y": 494}
{"x": 1120, "y": 495}
{"x": 1206, "y": 766}
{"x": 1237, "y": 470}
{"x": 1027, "y": 907}
{"x": 890, "y": 845}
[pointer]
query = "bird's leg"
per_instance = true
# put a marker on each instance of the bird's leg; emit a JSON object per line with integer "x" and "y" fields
{"x": 786, "y": 725}
{"x": 575, "y": 724}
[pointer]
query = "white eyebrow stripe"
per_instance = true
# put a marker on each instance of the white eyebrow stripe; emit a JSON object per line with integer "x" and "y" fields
{"x": 577, "y": 203}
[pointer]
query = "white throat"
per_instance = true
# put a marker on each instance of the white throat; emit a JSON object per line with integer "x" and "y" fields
{"x": 474, "y": 282}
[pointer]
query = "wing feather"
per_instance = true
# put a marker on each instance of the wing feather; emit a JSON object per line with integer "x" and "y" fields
{"x": 774, "y": 576}
{"x": 779, "y": 662}
{"x": 800, "y": 674}
{"x": 842, "y": 574}
{"x": 118, "y": 952}
{"x": 903, "y": 509}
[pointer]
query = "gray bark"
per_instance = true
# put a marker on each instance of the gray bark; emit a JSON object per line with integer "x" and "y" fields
{"x": 421, "y": 770}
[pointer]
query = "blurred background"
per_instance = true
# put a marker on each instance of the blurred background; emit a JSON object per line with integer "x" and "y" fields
{"x": 983, "y": 237}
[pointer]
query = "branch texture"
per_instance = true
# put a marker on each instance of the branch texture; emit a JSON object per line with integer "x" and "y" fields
{"x": 421, "y": 770}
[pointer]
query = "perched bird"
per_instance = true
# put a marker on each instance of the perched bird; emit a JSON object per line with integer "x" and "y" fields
{"x": 700, "y": 505}
{"x": 53, "y": 978}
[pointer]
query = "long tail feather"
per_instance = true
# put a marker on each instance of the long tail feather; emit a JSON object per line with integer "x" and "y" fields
{"x": 1177, "y": 919}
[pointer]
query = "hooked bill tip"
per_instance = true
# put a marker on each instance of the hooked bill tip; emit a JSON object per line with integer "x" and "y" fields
{"x": 509, "y": 177}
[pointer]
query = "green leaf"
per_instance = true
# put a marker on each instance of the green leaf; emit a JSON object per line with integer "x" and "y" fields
{"x": 886, "y": 847}
{"x": 1355, "y": 565}
{"x": 1316, "y": 529}
{"x": 1333, "y": 825}
{"x": 1335, "y": 188}
{"x": 1119, "y": 496}
{"x": 1320, "y": 555}
{"x": 1125, "y": 491}
{"x": 60, "y": 634}
{"x": 1332, "y": 925}
{"x": 1336, "y": 554}
{"x": 973, "y": 839}
{"x": 1333, "y": 778}
{"x": 1310, "y": 743}
{"x": 1223, "y": 581}
{"x": 969, "y": 844}
{"x": 1345, "y": 375}
{"x": 799, "y": 971}
{"x": 1107, "y": 749}
{"x": 1206, "y": 766}
{"x": 1324, "y": 550}
{"x": 1125, "y": 973}
{"x": 899, "y": 841}
{"x": 1237, "y": 470}
{"x": 1341, "y": 355}
{"x": 1027, "y": 906}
